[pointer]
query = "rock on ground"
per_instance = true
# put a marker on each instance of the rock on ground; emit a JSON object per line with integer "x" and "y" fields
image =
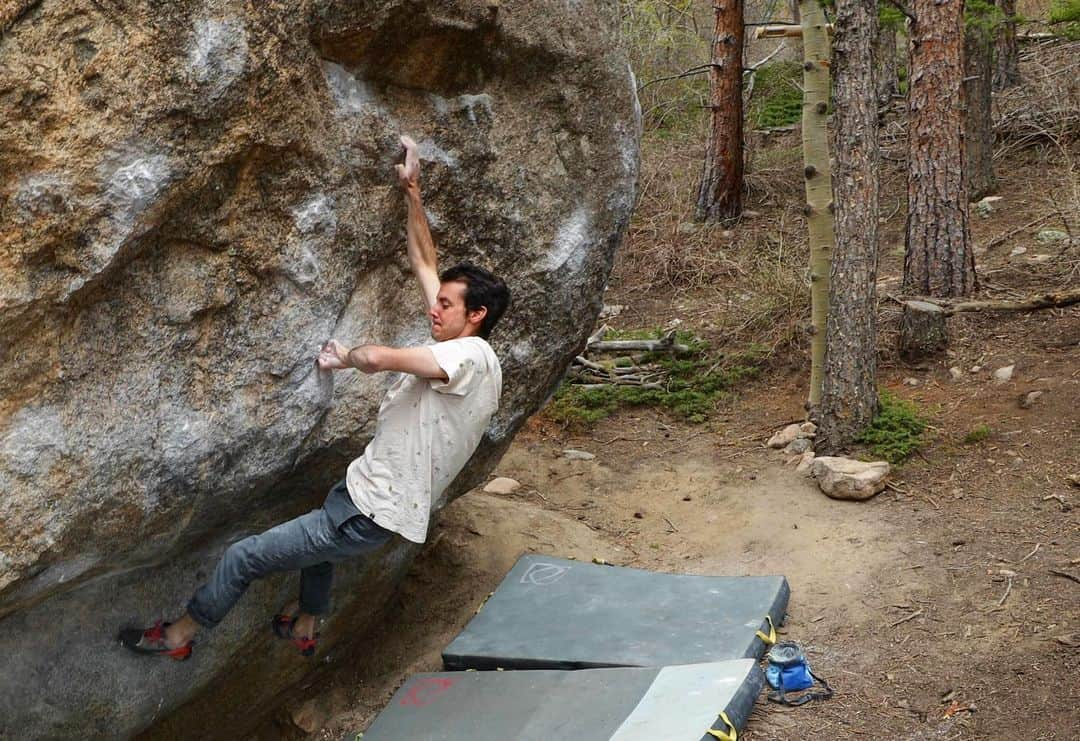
{"x": 843, "y": 478}
{"x": 196, "y": 196}
{"x": 792, "y": 432}
{"x": 502, "y": 485}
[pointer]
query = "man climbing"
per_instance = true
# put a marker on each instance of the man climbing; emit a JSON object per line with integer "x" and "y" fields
{"x": 430, "y": 422}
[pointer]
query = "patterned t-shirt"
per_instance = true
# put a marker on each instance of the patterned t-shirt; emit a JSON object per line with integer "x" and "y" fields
{"x": 426, "y": 432}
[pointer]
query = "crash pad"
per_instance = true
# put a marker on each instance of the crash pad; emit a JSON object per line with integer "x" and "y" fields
{"x": 674, "y": 703}
{"x": 554, "y": 613}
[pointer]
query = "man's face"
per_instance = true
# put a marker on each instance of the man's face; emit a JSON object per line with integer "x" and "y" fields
{"x": 449, "y": 317}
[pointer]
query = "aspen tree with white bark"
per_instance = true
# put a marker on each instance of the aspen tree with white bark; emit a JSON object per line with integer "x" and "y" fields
{"x": 819, "y": 206}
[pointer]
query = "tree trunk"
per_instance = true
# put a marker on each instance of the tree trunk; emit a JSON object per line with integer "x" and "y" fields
{"x": 978, "y": 123}
{"x": 885, "y": 65}
{"x": 849, "y": 395}
{"x": 818, "y": 208}
{"x": 720, "y": 194}
{"x": 938, "y": 260}
{"x": 1006, "y": 51}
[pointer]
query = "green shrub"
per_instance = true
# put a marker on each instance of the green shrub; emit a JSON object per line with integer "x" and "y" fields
{"x": 1067, "y": 14}
{"x": 778, "y": 96}
{"x": 977, "y": 434}
{"x": 896, "y": 431}
{"x": 695, "y": 382}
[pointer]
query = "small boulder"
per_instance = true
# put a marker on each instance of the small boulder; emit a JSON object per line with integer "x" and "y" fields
{"x": 1017, "y": 251}
{"x": 577, "y": 455}
{"x": 911, "y": 381}
{"x": 985, "y": 207}
{"x": 1049, "y": 236}
{"x": 807, "y": 429}
{"x": 309, "y": 717}
{"x": 784, "y": 436}
{"x": 798, "y": 446}
{"x": 1028, "y": 400}
{"x": 1004, "y": 375}
{"x": 806, "y": 463}
{"x": 843, "y": 478}
{"x": 502, "y": 485}
{"x": 956, "y": 373}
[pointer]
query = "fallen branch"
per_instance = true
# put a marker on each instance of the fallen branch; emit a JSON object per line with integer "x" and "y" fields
{"x": 783, "y": 30}
{"x": 1033, "y": 552}
{"x": 664, "y": 344}
{"x": 1066, "y": 574}
{"x": 1008, "y": 588}
{"x": 904, "y": 619}
{"x": 1001, "y": 238}
{"x": 949, "y": 307}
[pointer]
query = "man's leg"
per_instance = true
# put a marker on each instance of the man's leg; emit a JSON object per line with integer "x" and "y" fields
{"x": 302, "y": 543}
{"x": 315, "y": 580}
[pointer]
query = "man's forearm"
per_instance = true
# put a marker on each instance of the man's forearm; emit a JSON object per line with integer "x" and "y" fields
{"x": 421, "y": 246}
{"x": 363, "y": 357}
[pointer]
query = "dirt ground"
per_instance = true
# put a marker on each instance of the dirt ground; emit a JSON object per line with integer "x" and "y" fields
{"x": 933, "y": 609}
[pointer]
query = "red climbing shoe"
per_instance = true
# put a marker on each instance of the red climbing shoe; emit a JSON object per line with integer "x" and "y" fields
{"x": 283, "y": 628}
{"x": 152, "y": 641}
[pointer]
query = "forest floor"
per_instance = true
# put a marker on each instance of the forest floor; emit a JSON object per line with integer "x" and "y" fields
{"x": 934, "y": 608}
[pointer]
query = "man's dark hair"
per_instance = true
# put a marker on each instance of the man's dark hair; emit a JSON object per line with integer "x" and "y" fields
{"x": 482, "y": 289}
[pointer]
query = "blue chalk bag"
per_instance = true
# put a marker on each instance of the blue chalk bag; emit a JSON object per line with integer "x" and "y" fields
{"x": 788, "y": 670}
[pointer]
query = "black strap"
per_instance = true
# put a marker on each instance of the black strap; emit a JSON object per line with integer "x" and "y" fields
{"x": 781, "y": 697}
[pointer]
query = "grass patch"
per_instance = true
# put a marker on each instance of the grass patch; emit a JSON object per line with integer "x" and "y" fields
{"x": 695, "y": 382}
{"x": 896, "y": 431}
{"x": 977, "y": 434}
{"x": 778, "y": 96}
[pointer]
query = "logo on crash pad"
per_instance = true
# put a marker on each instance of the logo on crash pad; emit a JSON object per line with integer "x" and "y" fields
{"x": 542, "y": 574}
{"x": 426, "y": 690}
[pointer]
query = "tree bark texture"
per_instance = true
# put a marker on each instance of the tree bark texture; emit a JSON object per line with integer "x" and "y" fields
{"x": 978, "y": 122}
{"x": 1006, "y": 50}
{"x": 885, "y": 65}
{"x": 818, "y": 208}
{"x": 938, "y": 260}
{"x": 720, "y": 194}
{"x": 849, "y": 398}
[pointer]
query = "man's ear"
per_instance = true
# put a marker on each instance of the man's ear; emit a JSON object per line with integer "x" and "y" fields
{"x": 476, "y": 316}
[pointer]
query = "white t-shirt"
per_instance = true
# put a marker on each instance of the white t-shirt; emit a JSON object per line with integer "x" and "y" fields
{"x": 426, "y": 432}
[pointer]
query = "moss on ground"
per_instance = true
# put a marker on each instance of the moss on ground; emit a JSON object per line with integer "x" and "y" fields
{"x": 695, "y": 382}
{"x": 897, "y": 430}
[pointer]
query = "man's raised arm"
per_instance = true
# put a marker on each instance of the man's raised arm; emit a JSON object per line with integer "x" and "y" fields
{"x": 421, "y": 246}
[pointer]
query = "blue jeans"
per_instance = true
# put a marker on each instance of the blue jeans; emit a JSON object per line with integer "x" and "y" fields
{"x": 310, "y": 543}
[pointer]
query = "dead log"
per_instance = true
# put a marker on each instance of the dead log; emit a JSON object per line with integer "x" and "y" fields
{"x": 949, "y": 307}
{"x": 664, "y": 344}
{"x": 783, "y": 30}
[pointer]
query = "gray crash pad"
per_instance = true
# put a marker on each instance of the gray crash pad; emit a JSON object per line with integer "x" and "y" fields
{"x": 551, "y": 613}
{"x": 674, "y": 703}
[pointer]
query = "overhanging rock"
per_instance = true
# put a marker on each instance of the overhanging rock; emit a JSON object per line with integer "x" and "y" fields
{"x": 196, "y": 196}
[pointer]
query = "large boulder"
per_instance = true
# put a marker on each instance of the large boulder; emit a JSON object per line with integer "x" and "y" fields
{"x": 196, "y": 195}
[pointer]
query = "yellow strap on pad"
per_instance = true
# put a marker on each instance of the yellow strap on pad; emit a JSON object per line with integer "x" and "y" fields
{"x": 730, "y": 735}
{"x": 771, "y": 638}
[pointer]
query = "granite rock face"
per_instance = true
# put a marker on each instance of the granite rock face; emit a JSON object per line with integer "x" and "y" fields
{"x": 196, "y": 195}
